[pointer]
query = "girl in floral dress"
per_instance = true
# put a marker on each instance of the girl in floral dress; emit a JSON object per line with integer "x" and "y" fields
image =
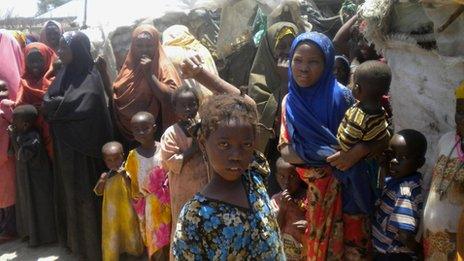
{"x": 231, "y": 218}
{"x": 148, "y": 184}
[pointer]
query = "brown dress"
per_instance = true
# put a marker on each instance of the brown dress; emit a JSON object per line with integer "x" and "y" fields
{"x": 132, "y": 92}
{"x": 184, "y": 179}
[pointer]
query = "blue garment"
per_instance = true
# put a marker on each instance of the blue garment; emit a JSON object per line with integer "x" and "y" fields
{"x": 400, "y": 209}
{"x": 314, "y": 113}
{"x": 209, "y": 229}
{"x": 313, "y": 116}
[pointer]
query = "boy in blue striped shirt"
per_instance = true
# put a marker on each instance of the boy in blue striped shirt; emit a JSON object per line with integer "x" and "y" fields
{"x": 397, "y": 216}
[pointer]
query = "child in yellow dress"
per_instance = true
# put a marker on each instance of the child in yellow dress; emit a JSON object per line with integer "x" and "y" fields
{"x": 120, "y": 231}
{"x": 150, "y": 192}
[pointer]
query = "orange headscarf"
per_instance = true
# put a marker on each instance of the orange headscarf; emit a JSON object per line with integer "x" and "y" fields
{"x": 132, "y": 93}
{"x": 31, "y": 91}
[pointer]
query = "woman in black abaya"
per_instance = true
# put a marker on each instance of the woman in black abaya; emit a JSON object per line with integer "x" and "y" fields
{"x": 76, "y": 109}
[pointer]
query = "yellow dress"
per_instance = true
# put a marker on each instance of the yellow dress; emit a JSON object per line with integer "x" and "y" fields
{"x": 151, "y": 200}
{"x": 120, "y": 233}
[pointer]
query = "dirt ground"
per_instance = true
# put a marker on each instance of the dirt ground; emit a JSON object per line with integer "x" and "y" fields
{"x": 19, "y": 251}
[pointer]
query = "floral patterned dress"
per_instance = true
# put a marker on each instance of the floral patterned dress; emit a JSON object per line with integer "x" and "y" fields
{"x": 150, "y": 199}
{"x": 445, "y": 202}
{"x": 209, "y": 229}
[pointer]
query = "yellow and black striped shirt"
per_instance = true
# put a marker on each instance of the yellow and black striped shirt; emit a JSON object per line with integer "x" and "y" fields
{"x": 359, "y": 126}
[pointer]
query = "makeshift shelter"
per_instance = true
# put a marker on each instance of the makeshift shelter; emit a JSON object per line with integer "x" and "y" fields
{"x": 427, "y": 64}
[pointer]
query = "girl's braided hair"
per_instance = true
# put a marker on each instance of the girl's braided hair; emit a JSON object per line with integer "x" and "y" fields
{"x": 224, "y": 108}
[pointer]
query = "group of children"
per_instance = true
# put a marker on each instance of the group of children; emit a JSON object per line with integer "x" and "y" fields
{"x": 200, "y": 192}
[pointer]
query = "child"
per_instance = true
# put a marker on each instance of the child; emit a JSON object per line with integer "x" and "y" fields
{"x": 179, "y": 152}
{"x": 120, "y": 228}
{"x": 231, "y": 218}
{"x": 149, "y": 191}
{"x": 290, "y": 206}
{"x": 397, "y": 217}
{"x": 365, "y": 121}
{"x": 35, "y": 217}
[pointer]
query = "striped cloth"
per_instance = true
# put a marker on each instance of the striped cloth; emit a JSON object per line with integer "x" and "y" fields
{"x": 359, "y": 126}
{"x": 399, "y": 209}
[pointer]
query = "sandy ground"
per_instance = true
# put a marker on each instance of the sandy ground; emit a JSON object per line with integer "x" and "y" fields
{"x": 19, "y": 251}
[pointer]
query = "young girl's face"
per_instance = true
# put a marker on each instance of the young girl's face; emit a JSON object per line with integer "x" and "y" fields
{"x": 230, "y": 149}
{"x": 288, "y": 179}
{"x": 143, "y": 131}
{"x": 35, "y": 63}
{"x": 113, "y": 159}
{"x": 186, "y": 106}
{"x": 307, "y": 65}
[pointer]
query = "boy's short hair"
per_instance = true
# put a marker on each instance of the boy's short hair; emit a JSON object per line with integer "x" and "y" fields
{"x": 112, "y": 146}
{"x": 415, "y": 142}
{"x": 374, "y": 77}
{"x": 27, "y": 113}
{"x": 143, "y": 115}
{"x": 183, "y": 89}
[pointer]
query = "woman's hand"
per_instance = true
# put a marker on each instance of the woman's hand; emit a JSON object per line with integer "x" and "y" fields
{"x": 146, "y": 64}
{"x": 345, "y": 160}
{"x": 282, "y": 69}
{"x": 101, "y": 64}
{"x": 191, "y": 66}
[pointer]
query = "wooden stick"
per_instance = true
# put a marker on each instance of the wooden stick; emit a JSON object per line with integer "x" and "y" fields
{"x": 451, "y": 19}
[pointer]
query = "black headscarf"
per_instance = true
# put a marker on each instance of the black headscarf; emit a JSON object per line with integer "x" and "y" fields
{"x": 75, "y": 103}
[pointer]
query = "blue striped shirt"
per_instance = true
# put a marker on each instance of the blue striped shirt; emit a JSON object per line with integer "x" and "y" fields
{"x": 399, "y": 209}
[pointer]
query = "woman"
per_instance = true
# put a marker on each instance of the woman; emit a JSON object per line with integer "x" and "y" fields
{"x": 11, "y": 66}
{"x": 178, "y": 43}
{"x": 268, "y": 80}
{"x": 51, "y": 34}
{"x": 311, "y": 114}
{"x": 145, "y": 83}
{"x": 76, "y": 110}
{"x": 446, "y": 197}
{"x": 35, "y": 82}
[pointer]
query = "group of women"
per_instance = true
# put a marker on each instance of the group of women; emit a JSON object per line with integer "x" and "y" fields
{"x": 78, "y": 117}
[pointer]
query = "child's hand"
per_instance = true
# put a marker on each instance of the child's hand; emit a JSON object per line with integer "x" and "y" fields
{"x": 104, "y": 176}
{"x": 286, "y": 201}
{"x": 345, "y": 160}
{"x": 192, "y": 127}
{"x": 191, "y": 66}
{"x": 10, "y": 130}
{"x": 301, "y": 225}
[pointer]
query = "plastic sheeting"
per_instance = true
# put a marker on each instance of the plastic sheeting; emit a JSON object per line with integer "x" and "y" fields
{"x": 422, "y": 92}
{"x": 422, "y": 89}
{"x": 235, "y": 33}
